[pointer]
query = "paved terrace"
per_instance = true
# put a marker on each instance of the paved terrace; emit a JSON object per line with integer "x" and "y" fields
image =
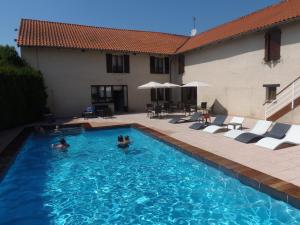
{"x": 283, "y": 164}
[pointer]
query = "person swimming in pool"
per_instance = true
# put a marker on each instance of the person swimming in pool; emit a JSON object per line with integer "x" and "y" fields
{"x": 123, "y": 142}
{"x": 56, "y": 130}
{"x": 62, "y": 145}
{"x": 127, "y": 140}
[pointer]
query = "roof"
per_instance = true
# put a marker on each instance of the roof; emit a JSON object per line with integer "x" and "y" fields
{"x": 262, "y": 19}
{"x": 36, "y": 33}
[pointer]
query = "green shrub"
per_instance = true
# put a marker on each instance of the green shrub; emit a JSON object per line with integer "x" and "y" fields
{"x": 22, "y": 90}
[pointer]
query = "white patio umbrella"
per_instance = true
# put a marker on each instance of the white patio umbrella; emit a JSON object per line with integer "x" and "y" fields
{"x": 170, "y": 85}
{"x": 196, "y": 84}
{"x": 152, "y": 85}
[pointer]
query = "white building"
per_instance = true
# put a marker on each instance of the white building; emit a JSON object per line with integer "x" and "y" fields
{"x": 247, "y": 62}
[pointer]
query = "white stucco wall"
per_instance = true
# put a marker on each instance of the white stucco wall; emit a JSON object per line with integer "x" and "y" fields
{"x": 236, "y": 70}
{"x": 69, "y": 75}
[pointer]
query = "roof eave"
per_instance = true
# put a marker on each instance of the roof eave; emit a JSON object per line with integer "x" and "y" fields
{"x": 96, "y": 49}
{"x": 294, "y": 19}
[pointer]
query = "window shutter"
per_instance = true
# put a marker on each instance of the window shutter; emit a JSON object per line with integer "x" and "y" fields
{"x": 275, "y": 42}
{"x": 167, "y": 65}
{"x": 126, "y": 64}
{"x": 109, "y": 63}
{"x": 267, "y": 47}
{"x": 181, "y": 62}
{"x": 152, "y": 70}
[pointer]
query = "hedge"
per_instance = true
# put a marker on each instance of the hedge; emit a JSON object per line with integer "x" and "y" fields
{"x": 22, "y": 90}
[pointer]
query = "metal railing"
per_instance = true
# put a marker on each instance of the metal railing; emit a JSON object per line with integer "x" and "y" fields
{"x": 286, "y": 96}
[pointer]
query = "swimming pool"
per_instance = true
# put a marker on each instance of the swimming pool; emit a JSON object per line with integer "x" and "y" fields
{"x": 94, "y": 182}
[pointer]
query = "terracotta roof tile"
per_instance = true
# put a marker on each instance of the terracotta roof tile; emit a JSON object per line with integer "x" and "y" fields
{"x": 63, "y": 35}
{"x": 52, "y": 34}
{"x": 272, "y": 15}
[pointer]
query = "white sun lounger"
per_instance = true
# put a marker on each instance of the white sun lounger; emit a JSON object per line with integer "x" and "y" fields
{"x": 292, "y": 137}
{"x": 214, "y": 128}
{"x": 260, "y": 128}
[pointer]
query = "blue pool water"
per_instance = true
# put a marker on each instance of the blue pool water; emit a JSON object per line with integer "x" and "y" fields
{"x": 96, "y": 183}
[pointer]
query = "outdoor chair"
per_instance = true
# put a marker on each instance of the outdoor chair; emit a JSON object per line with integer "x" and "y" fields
{"x": 107, "y": 112}
{"x": 260, "y": 128}
{"x": 89, "y": 112}
{"x": 187, "y": 110}
{"x": 277, "y": 131}
{"x": 218, "y": 121}
{"x": 156, "y": 112}
{"x": 203, "y": 107}
{"x": 292, "y": 138}
{"x": 149, "y": 109}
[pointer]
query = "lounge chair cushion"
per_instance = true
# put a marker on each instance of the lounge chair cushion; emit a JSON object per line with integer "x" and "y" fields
{"x": 248, "y": 137}
{"x": 219, "y": 120}
{"x": 278, "y": 131}
{"x": 198, "y": 126}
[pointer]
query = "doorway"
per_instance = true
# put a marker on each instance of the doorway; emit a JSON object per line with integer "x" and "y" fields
{"x": 120, "y": 98}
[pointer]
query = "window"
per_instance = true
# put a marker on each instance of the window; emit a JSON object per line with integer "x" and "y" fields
{"x": 162, "y": 94}
{"x": 181, "y": 64}
{"x": 101, "y": 94}
{"x": 272, "y": 45}
{"x": 117, "y": 63}
{"x": 159, "y": 65}
{"x": 271, "y": 91}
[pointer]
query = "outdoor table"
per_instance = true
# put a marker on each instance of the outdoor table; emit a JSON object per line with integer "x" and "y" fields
{"x": 234, "y": 125}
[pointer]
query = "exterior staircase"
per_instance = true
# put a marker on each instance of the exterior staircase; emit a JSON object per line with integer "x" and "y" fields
{"x": 286, "y": 100}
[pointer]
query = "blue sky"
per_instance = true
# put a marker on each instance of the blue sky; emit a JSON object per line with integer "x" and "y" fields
{"x": 171, "y": 16}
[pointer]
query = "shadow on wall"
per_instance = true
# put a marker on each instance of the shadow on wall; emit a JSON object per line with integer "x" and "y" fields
{"x": 272, "y": 64}
{"x": 218, "y": 108}
{"x": 229, "y": 48}
{"x": 245, "y": 44}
